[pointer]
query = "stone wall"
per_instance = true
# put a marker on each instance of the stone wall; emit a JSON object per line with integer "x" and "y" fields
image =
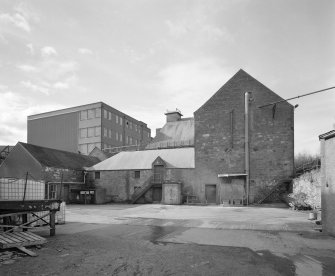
{"x": 220, "y": 136}
{"x": 308, "y": 186}
{"x": 120, "y": 185}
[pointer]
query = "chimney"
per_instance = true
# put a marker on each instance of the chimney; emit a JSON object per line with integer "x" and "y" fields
{"x": 173, "y": 116}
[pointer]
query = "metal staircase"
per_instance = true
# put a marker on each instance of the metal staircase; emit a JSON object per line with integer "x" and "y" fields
{"x": 280, "y": 184}
{"x": 142, "y": 190}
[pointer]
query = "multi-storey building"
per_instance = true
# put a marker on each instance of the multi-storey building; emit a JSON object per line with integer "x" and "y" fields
{"x": 82, "y": 128}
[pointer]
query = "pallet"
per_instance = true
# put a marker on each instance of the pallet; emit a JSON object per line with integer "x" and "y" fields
{"x": 20, "y": 239}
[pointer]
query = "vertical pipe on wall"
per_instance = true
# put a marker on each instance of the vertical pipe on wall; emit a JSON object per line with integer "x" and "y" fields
{"x": 246, "y": 143}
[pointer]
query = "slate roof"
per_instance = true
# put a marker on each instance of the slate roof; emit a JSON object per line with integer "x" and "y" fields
{"x": 174, "y": 134}
{"x": 58, "y": 158}
{"x": 142, "y": 160}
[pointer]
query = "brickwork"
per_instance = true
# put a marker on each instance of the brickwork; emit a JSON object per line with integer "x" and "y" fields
{"x": 220, "y": 138}
{"x": 328, "y": 185}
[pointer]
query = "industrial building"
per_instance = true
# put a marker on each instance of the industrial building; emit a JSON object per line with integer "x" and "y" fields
{"x": 236, "y": 150}
{"x": 327, "y": 141}
{"x": 82, "y": 128}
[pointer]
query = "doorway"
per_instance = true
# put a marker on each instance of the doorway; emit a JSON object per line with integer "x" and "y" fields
{"x": 157, "y": 194}
{"x": 210, "y": 193}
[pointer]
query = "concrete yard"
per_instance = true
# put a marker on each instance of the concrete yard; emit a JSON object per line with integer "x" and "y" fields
{"x": 181, "y": 240}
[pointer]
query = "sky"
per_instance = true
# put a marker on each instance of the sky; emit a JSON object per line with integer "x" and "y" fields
{"x": 145, "y": 57}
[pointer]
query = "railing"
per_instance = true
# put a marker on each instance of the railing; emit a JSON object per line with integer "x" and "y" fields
{"x": 278, "y": 185}
{"x": 141, "y": 190}
{"x": 307, "y": 167}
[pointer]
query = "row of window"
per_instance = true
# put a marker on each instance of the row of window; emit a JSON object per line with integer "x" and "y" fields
{"x": 90, "y": 114}
{"x": 90, "y": 132}
{"x": 108, "y": 116}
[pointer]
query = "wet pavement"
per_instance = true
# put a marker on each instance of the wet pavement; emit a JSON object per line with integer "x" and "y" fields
{"x": 209, "y": 240}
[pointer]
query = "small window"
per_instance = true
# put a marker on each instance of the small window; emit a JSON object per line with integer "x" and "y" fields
{"x": 97, "y": 175}
{"x": 121, "y": 121}
{"x": 116, "y": 119}
{"x": 105, "y": 114}
{"x": 98, "y": 112}
{"x": 109, "y": 115}
{"x": 105, "y": 132}
{"x": 83, "y": 115}
{"x": 117, "y": 136}
{"x": 110, "y": 133}
{"x": 97, "y": 131}
{"x": 137, "y": 174}
{"x": 90, "y": 114}
{"x": 120, "y": 137}
{"x": 91, "y": 132}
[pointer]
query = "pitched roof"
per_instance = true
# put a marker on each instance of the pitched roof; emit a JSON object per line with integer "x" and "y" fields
{"x": 174, "y": 134}
{"x": 59, "y": 158}
{"x": 142, "y": 160}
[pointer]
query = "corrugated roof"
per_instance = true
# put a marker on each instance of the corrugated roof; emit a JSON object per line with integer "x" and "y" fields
{"x": 59, "y": 158}
{"x": 142, "y": 160}
{"x": 174, "y": 134}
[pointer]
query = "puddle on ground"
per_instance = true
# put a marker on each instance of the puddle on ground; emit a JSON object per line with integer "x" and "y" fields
{"x": 158, "y": 232}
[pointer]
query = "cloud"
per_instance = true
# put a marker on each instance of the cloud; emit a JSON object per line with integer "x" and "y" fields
{"x": 17, "y": 20}
{"x": 41, "y": 88}
{"x": 85, "y": 51}
{"x": 30, "y": 47}
{"x": 48, "y": 51}
{"x": 13, "y": 117}
{"x": 27, "y": 68}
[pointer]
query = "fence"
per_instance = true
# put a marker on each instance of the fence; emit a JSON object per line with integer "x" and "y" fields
{"x": 21, "y": 189}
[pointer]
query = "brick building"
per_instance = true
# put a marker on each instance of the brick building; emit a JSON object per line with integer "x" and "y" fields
{"x": 328, "y": 181}
{"x": 82, "y": 128}
{"x": 230, "y": 166}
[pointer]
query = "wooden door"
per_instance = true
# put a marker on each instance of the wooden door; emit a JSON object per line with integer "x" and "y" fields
{"x": 158, "y": 174}
{"x": 156, "y": 194}
{"x": 210, "y": 193}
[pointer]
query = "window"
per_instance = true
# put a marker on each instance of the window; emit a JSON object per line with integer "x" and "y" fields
{"x": 97, "y": 131}
{"x": 96, "y": 175}
{"x": 135, "y": 127}
{"x": 131, "y": 125}
{"x": 51, "y": 191}
{"x": 91, "y": 132}
{"x": 120, "y": 137}
{"x": 105, "y": 146}
{"x": 127, "y": 124}
{"x": 83, "y": 132}
{"x": 117, "y": 136}
{"x": 105, "y": 114}
{"x": 127, "y": 140}
{"x": 110, "y": 133}
{"x": 116, "y": 119}
{"x": 137, "y": 174}
{"x": 90, "y": 114}
{"x": 130, "y": 141}
{"x": 98, "y": 112}
{"x": 109, "y": 115}
{"x": 105, "y": 132}
{"x": 120, "y": 121}
{"x": 83, "y": 115}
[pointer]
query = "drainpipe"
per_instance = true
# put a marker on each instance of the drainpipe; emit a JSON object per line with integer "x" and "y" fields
{"x": 246, "y": 142}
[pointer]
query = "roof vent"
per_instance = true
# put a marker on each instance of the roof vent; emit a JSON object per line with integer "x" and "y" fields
{"x": 173, "y": 116}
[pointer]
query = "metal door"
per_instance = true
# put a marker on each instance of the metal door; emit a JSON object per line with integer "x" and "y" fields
{"x": 210, "y": 193}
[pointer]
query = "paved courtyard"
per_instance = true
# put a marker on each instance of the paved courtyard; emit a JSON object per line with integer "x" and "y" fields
{"x": 181, "y": 240}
